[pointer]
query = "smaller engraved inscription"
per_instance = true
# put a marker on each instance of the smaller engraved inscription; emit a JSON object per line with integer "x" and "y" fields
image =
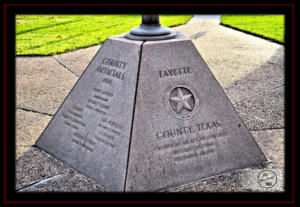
{"x": 199, "y": 146}
{"x": 182, "y": 101}
{"x": 73, "y": 117}
{"x": 108, "y": 132}
{"x": 99, "y": 101}
{"x": 192, "y": 146}
{"x": 83, "y": 141}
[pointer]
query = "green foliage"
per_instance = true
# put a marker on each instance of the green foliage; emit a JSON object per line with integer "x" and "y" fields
{"x": 54, "y": 34}
{"x": 269, "y": 26}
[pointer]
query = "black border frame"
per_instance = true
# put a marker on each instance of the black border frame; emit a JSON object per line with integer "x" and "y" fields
{"x": 9, "y": 194}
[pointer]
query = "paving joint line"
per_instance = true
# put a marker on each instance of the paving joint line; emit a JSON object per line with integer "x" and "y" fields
{"x": 31, "y": 110}
{"x": 197, "y": 35}
{"x": 77, "y": 76}
{"x": 38, "y": 183}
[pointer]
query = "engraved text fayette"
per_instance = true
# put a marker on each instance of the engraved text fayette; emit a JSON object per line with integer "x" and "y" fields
{"x": 174, "y": 72}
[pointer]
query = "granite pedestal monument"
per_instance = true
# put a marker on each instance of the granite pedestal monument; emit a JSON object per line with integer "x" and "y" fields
{"x": 148, "y": 114}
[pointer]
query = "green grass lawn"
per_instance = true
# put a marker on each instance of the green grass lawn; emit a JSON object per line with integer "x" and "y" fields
{"x": 54, "y": 34}
{"x": 268, "y": 26}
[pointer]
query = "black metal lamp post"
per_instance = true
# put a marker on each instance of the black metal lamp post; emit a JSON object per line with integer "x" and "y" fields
{"x": 150, "y": 29}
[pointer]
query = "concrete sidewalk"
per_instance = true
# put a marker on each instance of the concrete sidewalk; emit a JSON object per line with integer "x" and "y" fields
{"x": 197, "y": 17}
{"x": 250, "y": 70}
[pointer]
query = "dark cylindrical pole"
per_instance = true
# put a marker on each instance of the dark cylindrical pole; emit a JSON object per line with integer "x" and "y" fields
{"x": 150, "y": 19}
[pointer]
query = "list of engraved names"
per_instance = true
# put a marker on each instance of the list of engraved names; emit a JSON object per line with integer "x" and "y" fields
{"x": 99, "y": 102}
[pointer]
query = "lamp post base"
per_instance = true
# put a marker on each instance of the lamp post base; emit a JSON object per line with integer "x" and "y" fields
{"x": 150, "y": 37}
{"x": 150, "y": 29}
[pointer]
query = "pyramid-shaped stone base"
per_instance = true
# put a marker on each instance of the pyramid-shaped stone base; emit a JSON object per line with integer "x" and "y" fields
{"x": 149, "y": 115}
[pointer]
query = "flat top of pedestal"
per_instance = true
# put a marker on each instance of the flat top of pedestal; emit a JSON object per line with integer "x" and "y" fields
{"x": 179, "y": 36}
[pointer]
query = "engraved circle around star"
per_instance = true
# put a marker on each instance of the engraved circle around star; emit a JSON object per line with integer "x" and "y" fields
{"x": 181, "y": 100}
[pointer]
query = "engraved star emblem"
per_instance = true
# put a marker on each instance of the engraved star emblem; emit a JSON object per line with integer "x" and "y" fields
{"x": 181, "y": 100}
